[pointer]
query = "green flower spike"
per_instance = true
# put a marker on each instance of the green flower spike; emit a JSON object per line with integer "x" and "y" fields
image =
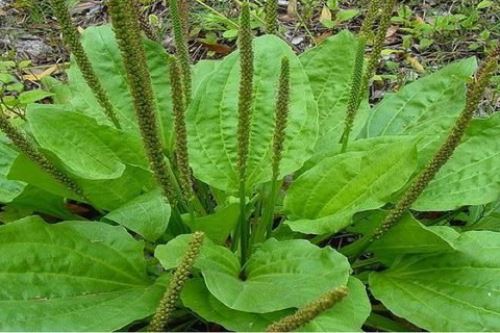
{"x": 474, "y": 93}
{"x": 282, "y": 108}
{"x": 355, "y": 93}
{"x": 179, "y": 27}
{"x": 30, "y": 150}
{"x": 244, "y": 120}
{"x": 72, "y": 40}
{"x": 128, "y": 35}
{"x": 385, "y": 21}
{"x": 271, "y": 11}
{"x": 168, "y": 302}
{"x": 181, "y": 149}
{"x": 371, "y": 14}
{"x": 143, "y": 22}
{"x": 308, "y": 312}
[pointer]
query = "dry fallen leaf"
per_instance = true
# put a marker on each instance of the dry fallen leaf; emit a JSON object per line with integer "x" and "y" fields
{"x": 37, "y": 77}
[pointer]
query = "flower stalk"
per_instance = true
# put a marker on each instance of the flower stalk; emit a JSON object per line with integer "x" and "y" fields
{"x": 306, "y": 314}
{"x": 179, "y": 26}
{"x": 71, "y": 38}
{"x": 244, "y": 121}
{"x": 168, "y": 302}
{"x": 128, "y": 35}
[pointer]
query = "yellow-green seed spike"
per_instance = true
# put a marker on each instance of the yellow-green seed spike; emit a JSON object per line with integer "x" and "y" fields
{"x": 31, "y": 151}
{"x": 271, "y": 12}
{"x": 244, "y": 120}
{"x": 72, "y": 40}
{"x": 182, "y": 50}
{"x": 169, "y": 300}
{"x": 128, "y": 35}
{"x": 370, "y": 16}
{"x": 181, "y": 149}
{"x": 282, "y": 108}
{"x": 474, "y": 93}
{"x": 355, "y": 93}
{"x": 143, "y": 21}
{"x": 308, "y": 312}
{"x": 378, "y": 44}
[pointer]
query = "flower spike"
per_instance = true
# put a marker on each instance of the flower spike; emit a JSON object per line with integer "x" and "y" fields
{"x": 169, "y": 300}
{"x": 179, "y": 27}
{"x": 271, "y": 11}
{"x": 22, "y": 143}
{"x": 181, "y": 149}
{"x": 128, "y": 35}
{"x": 474, "y": 93}
{"x": 72, "y": 39}
{"x": 309, "y": 312}
{"x": 244, "y": 119}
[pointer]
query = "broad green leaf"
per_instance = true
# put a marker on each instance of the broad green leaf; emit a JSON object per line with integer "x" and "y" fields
{"x": 325, "y": 198}
{"x": 490, "y": 220}
{"x": 447, "y": 291}
{"x": 201, "y": 70}
{"x": 348, "y": 315}
{"x": 148, "y": 215}
{"x": 73, "y": 139}
{"x": 40, "y": 201}
{"x": 25, "y": 170}
{"x": 279, "y": 275}
{"x": 360, "y": 145}
{"x": 410, "y": 236}
{"x": 329, "y": 67}
{"x": 216, "y": 226}
{"x": 61, "y": 91}
{"x": 72, "y": 276}
{"x": 9, "y": 189}
{"x": 32, "y": 96}
{"x": 102, "y": 50}
{"x": 426, "y": 107}
{"x": 105, "y": 194}
{"x": 126, "y": 146}
{"x": 196, "y": 297}
{"x": 213, "y": 117}
{"x": 472, "y": 175}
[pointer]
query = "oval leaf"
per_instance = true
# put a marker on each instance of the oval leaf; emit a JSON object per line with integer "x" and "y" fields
{"x": 279, "y": 275}
{"x": 148, "y": 215}
{"x": 325, "y": 198}
{"x": 101, "y": 48}
{"x": 466, "y": 283}
{"x": 57, "y": 277}
{"x": 213, "y": 117}
{"x": 329, "y": 67}
{"x": 472, "y": 175}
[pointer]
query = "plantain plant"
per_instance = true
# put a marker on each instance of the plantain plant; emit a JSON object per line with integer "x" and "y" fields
{"x": 259, "y": 192}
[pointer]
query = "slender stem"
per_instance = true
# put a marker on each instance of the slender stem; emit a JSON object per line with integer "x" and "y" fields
{"x": 264, "y": 227}
{"x": 244, "y": 226}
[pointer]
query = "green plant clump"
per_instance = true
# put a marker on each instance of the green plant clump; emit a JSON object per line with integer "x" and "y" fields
{"x": 258, "y": 192}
